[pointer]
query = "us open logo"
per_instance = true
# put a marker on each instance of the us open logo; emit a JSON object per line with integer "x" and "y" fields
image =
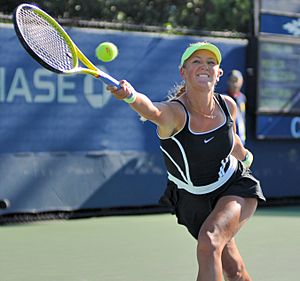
{"x": 293, "y": 27}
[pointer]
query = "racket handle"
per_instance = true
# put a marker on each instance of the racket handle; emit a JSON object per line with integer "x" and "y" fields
{"x": 109, "y": 80}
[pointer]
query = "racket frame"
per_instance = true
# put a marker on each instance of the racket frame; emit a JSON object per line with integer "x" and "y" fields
{"x": 75, "y": 51}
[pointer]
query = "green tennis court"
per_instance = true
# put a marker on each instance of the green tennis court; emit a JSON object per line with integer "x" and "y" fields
{"x": 141, "y": 248}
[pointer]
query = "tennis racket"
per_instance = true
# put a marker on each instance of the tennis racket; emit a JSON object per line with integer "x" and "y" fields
{"x": 48, "y": 43}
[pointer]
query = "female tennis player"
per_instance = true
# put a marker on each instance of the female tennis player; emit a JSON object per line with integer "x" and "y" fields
{"x": 210, "y": 185}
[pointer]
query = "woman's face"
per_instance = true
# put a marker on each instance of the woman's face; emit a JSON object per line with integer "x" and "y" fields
{"x": 201, "y": 70}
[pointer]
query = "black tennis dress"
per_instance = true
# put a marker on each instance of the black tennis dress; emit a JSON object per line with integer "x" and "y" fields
{"x": 201, "y": 169}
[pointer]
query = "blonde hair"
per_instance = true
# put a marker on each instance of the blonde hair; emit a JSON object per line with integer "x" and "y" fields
{"x": 177, "y": 91}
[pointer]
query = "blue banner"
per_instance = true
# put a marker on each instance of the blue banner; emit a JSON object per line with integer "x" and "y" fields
{"x": 41, "y": 111}
{"x": 279, "y": 24}
{"x": 278, "y": 127}
{"x": 67, "y": 144}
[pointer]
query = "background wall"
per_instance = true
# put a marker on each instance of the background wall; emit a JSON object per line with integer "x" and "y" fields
{"x": 66, "y": 144}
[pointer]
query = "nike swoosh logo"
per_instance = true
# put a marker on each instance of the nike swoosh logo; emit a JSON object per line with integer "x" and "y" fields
{"x": 208, "y": 140}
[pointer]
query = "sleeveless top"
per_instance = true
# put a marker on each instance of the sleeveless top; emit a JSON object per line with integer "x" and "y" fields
{"x": 201, "y": 162}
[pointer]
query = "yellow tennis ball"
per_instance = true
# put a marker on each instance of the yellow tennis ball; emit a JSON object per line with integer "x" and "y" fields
{"x": 106, "y": 51}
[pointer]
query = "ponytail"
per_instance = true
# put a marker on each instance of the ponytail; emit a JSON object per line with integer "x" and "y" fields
{"x": 176, "y": 92}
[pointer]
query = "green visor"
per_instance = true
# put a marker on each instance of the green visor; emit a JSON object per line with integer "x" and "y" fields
{"x": 200, "y": 46}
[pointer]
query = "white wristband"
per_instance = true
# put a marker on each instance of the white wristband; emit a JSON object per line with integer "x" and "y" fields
{"x": 131, "y": 98}
{"x": 248, "y": 159}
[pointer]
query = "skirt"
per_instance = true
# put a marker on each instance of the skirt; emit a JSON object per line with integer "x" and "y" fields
{"x": 192, "y": 210}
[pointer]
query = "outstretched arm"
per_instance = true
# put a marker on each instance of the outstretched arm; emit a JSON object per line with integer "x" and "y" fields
{"x": 164, "y": 114}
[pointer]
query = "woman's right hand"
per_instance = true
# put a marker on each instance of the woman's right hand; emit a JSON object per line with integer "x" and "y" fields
{"x": 123, "y": 92}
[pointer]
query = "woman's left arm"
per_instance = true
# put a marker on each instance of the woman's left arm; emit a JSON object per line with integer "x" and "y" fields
{"x": 238, "y": 151}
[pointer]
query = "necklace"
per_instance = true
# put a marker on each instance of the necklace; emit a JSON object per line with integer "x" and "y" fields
{"x": 210, "y": 115}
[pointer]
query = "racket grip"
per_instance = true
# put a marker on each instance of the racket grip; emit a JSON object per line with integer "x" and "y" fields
{"x": 109, "y": 80}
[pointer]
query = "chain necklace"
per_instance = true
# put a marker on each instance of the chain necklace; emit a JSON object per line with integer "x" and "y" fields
{"x": 210, "y": 115}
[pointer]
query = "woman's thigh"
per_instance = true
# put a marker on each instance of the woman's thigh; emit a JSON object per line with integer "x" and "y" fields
{"x": 229, "y": 214}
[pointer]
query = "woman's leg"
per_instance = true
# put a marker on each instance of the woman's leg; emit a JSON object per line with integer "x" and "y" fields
{"x": 233, "y": 265}
{"x": 230, "y": 213}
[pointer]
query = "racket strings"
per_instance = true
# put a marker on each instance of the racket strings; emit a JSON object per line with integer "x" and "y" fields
{"x": 45, "y": 40}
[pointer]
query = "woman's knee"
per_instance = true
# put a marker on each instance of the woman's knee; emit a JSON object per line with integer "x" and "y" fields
{"x": 209, "y": 243}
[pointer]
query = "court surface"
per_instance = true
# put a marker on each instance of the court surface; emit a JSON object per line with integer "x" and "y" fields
{"x": 142, "y": 248}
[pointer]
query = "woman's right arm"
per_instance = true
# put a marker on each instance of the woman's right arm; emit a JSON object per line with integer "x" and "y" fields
{"x": 163, "y": 114}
